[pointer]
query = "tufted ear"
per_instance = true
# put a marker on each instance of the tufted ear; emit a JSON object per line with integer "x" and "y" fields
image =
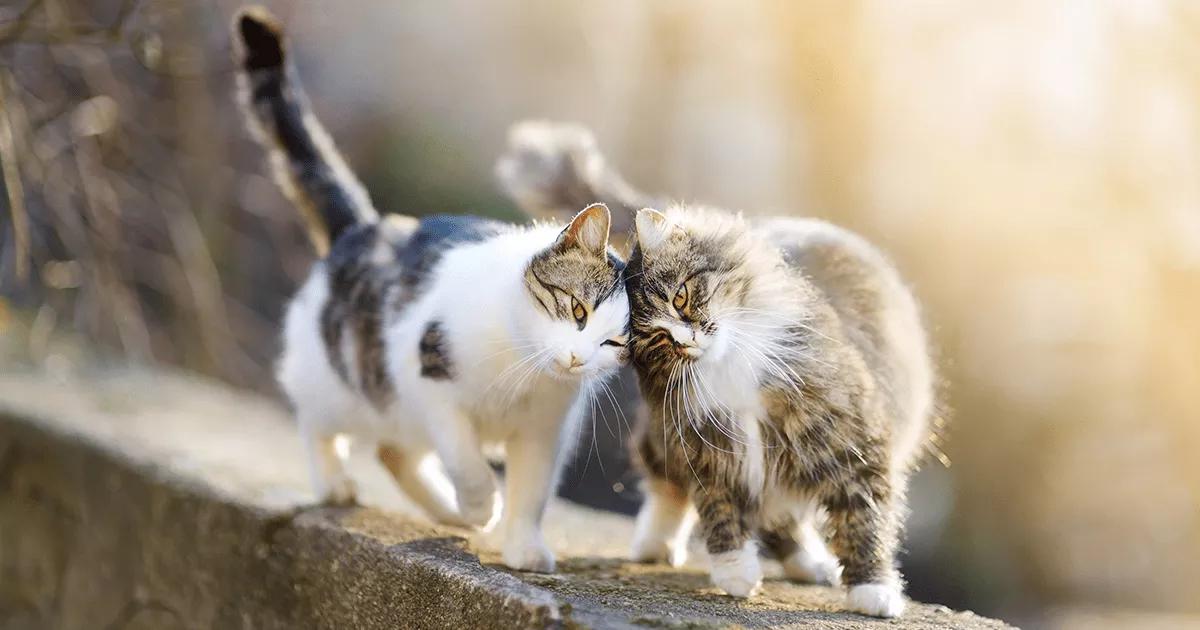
{"x": 588, "y": 230}
{"x": 653, "y": 229}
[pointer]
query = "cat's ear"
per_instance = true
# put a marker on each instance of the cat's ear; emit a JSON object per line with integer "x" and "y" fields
{"x": 588, "y": 231}
{"x": 653, "y": 229}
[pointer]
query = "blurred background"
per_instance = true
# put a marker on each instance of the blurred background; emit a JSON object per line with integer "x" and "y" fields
{"x": 1031, "y": 166}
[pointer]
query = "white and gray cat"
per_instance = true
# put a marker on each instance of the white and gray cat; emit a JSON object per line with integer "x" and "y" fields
{"x": 785, "y": 371}
{"x": 438, "y": 336}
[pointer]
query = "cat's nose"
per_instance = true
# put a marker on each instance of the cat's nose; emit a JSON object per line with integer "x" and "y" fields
{"x": 570, "y": 362}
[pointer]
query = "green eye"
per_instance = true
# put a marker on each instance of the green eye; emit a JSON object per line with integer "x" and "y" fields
{"x": 578, "y": 312}
{"x": 681, "y": 298}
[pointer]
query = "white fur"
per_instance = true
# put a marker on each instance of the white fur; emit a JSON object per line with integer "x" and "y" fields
{"x": 511, "y": 386}
{"x": 726, "y": 383}
{"x": 876, "y": 599}
{"x": 812, "y": 562}
{"x": 737, "y": 572}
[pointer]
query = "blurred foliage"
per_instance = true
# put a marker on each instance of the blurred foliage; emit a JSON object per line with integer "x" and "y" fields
{"x": 1032, "y": 167}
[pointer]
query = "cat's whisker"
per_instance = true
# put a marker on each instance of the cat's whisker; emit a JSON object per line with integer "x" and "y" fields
{"x": 501, "y": 378}
{"x": 531, "y": 370}
{"x": 689, "y": 378}
{"x": 507, "y": 349}
{"x": 602, "y": 387}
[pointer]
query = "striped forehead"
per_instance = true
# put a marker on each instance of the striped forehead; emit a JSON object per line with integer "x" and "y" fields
{"x": 587, "y": 278}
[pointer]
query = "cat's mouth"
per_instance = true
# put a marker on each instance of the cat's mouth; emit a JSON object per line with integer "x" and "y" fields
{"x": 688, "y": 351}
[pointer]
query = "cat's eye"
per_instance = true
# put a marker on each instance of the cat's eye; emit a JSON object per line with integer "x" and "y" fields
{"x": 620, "y": 343}
{"x": 681, "y": 298}
{"x": 578, "y": 312}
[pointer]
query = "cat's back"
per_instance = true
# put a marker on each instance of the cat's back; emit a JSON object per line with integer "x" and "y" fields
{"x": 401, "y": 249}
{"x": 879, "y": 312}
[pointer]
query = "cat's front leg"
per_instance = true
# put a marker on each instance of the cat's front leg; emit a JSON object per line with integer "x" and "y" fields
{"x": 457, "y": 444}
{"x": 327, "y": 467}
{"x": 733, "y": 552}
{"x": 865, "y": 526}
{"x": 531, "y": 471}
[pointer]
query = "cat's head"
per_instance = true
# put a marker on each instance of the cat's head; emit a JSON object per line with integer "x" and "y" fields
{"x": 693, "y": 279}
{"x": 580, "y": 312}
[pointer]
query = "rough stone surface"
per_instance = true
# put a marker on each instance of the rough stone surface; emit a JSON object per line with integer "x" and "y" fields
{"x": 138, "y": 500}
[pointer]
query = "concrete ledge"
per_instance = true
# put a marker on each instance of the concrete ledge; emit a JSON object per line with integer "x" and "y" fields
{"x": 138, "y": 500}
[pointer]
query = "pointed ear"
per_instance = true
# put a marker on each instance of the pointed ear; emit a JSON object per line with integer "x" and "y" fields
{"x": 653, "y": 228}
{"x": 588, "y": 230}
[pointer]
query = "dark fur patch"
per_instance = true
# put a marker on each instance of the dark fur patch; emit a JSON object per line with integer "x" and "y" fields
{"x": 435, "y": 358}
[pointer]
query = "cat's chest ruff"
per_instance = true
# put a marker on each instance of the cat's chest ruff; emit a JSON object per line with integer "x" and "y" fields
{"x": 733, "y": 387}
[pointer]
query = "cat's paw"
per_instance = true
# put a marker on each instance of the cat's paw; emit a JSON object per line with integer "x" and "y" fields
{"x": 812, "y": 566}
{"x": 479, "y": 509}
{"x": 651, "y": 548}
{"x": 338, "y": 492}
{"x": 527, "y": 551}
{"x": 877, "y": 599}
{"x": 737, "y": 572}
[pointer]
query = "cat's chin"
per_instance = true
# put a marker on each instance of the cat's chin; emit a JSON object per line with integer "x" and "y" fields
{"x": 566, "y": 376}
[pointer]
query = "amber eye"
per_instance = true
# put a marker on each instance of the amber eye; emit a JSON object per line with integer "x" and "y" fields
{"x": 681, "y": 298}
{"x": 578, "y": 311}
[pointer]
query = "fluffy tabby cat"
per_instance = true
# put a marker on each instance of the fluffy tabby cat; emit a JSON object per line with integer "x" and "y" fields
{"x": 786, "y": 374}
{"x": 434, "y": 336}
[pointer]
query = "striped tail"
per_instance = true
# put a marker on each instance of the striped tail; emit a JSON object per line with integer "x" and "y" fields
{"x": 307, "y": 166}
{"x": 554, "y": 170}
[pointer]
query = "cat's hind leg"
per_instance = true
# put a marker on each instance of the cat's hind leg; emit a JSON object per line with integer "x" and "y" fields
{"x": 796, "y": 542}
{"x": 663, "y": 524}
{"x": 666, "y": 516}
{"x": 865, "y": 525}
{"x": 418, "y": 485}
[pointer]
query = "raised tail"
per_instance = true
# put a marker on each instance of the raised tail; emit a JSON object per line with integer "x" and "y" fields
{"x": 307, "y": 166}
{"x": 553, "y": 170}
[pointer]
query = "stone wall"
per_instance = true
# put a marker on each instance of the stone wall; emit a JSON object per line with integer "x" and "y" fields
{"x": 138, "y": 500}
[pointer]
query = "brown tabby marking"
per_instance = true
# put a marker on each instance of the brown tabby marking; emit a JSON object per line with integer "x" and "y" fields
{"x": 435, "y": 361}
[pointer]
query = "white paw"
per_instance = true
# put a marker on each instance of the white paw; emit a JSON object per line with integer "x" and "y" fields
{"x": 738, "y": 573}
{"x": 655, "y": 549}
{"x": 479, "y": 509}
{"x": 876, "y": 599}
{"x": 339, "y": 491}
{"x": 528, "y": 552}
{"x": 812, "y": 567}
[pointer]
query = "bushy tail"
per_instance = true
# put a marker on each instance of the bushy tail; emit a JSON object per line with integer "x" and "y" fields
{"x": 554, "y": 170}
{"x": 307, "y": 166}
